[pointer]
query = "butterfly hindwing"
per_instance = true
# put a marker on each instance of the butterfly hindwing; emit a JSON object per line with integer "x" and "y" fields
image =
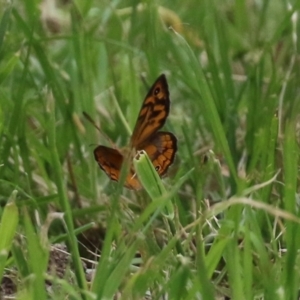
{"x": 110, "y": 161}
{"x": 161, "y": 149}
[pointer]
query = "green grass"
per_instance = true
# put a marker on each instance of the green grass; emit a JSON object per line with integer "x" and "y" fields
{"x": 232, "y": 72}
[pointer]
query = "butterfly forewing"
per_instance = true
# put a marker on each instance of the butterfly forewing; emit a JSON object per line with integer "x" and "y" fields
{"x": 153, "y": 113}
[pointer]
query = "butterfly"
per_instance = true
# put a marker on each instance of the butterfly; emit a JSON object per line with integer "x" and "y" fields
{"x": 160, "y": 146}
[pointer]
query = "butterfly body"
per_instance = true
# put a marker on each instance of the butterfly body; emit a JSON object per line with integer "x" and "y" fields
{"x": 160, "y": 146}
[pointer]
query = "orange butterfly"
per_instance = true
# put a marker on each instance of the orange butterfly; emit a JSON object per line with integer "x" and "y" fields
{"x": 160, "y": 146}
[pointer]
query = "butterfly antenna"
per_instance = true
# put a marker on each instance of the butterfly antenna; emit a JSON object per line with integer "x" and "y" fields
{"x": 88, "y": 117}
{"x": 144, "y": 80}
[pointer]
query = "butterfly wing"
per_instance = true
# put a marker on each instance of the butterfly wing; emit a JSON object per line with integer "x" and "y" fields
{"x": 161, "y": 149}
{"x": 160, "y": 146}
{"x": 110, "y": 161}
{"x": 153, "y": 113}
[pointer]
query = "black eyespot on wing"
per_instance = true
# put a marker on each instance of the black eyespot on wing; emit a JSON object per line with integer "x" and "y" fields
{"x": 156, "y": 91}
